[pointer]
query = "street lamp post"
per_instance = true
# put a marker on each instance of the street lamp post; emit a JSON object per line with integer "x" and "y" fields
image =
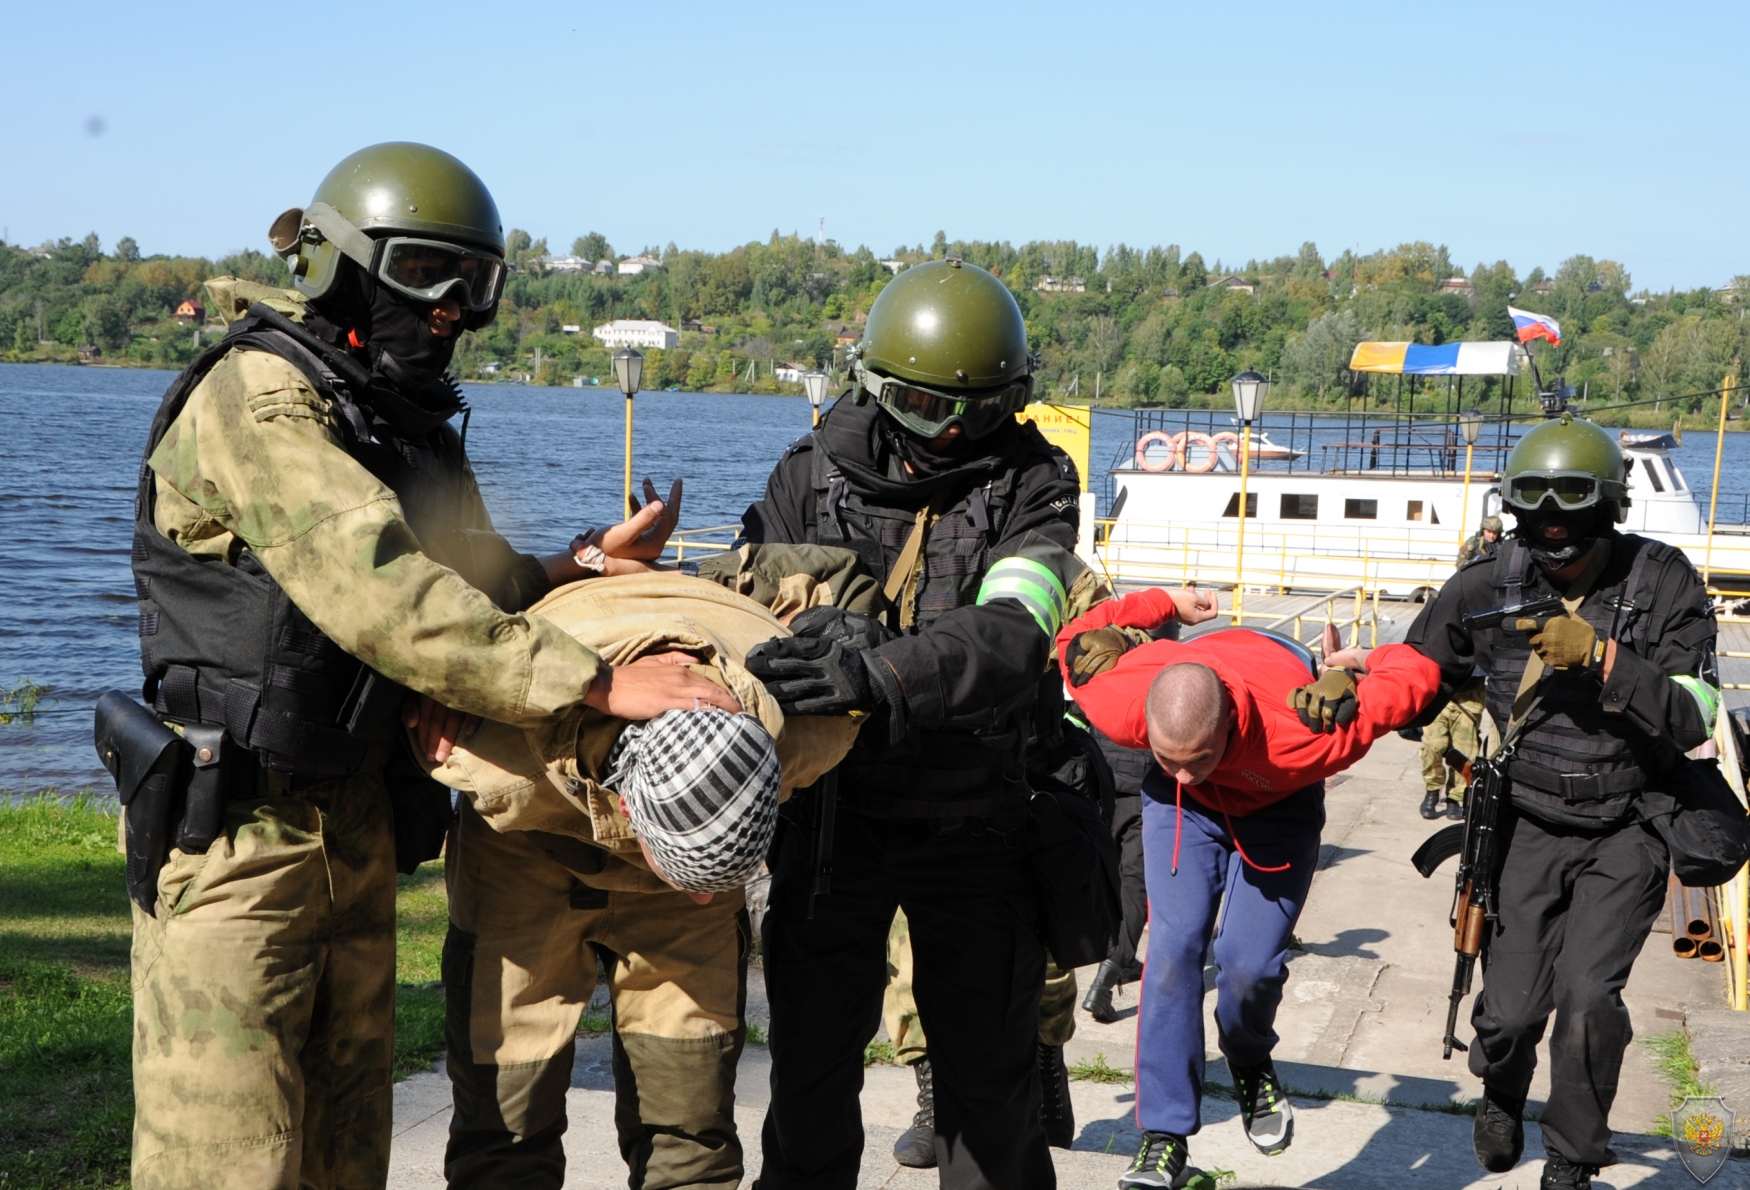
{"x": 1470, "y": 424}
{"x": 629, "y": 370}
{"x": 1250, "y": 389}
{"x": 814, "y": 384}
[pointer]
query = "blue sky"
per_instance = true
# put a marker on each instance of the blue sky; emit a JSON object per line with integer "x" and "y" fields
{"x": 1524, "y": 131}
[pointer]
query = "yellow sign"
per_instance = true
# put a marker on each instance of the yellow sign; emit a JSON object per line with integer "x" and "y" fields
{"x": 1067, "y": 427}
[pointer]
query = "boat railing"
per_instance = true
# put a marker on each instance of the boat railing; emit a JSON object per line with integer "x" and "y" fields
{"x": 705, "y": 539}
{"x": 1362, "y": 614}
{"x": 1277, "y": 561}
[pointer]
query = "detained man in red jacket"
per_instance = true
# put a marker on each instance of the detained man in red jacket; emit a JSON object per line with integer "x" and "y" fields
{"x": 1235, "y": 806}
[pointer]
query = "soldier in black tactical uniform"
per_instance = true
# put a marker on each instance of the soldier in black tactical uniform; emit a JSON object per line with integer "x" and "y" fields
{"x": 970, "y": 520}
{"x": 1630, "y": 685}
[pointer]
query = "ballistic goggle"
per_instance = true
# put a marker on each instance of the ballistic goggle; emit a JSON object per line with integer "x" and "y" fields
{"x": 930, "y": 413}
{"x": 423, "y": 269}
{"x": 1571, "y": 490}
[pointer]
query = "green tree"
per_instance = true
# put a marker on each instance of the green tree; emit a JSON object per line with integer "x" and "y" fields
{"x": 593, "y": 246}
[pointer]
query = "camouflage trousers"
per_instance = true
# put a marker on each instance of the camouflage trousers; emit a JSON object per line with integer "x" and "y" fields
{"x": 1454, "y": 727}
{"x": 1057, "y": 1006}
{"x": 264, "y": 1000}
{"x": 519, "y": 969}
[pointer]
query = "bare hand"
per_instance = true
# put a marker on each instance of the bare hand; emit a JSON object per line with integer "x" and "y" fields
{"x": 438, "y": 727}
{"x": 1195, "y": 606}
{"x": 1354, "y": 660}
{"x": 644, "y": 532}
{"x": 646, "y": 691}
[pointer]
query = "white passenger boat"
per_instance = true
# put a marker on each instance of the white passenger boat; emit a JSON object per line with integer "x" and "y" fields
{"x": 1377, "y": 499}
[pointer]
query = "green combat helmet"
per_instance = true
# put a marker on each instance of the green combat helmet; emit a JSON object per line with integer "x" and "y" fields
{"x": 945, "y": 345}
{"x": 1569, "y": 462}
{"x": 413, "y": 216}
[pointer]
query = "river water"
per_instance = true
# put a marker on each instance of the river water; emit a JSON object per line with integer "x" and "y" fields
{"x": 549, "y": 462}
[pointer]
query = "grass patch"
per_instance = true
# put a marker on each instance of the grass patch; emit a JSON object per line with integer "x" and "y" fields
{"x": 879, "y": 1052}
{"x": 1098, "y": 1071}
{"x": 66, "y": 1018}
{"x": 757, "y": 1036}
{"x": 1676, "y": 1065}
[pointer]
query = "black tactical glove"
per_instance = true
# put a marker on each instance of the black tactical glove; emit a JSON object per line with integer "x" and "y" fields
{"x": 815, "y": 676}
{"x": 1327, "y": 704}
{"x": 834, "y": 623}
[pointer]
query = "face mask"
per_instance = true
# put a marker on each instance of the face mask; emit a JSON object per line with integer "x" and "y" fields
{"x": 401, "y": 343}
{"x": 1583, "y": 527}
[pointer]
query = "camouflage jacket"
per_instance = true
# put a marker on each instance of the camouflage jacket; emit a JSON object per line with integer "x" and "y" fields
{"x": 255, "y": 460}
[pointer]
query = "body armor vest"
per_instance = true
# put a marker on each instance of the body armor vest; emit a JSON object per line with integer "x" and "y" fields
{"x": 1575, "y": 762}
{"x": 929, "y": 773}
{"x": 224, "y": 644}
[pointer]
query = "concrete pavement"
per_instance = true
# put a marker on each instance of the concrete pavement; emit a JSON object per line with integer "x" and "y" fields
{"x": 1360, "y": 1025}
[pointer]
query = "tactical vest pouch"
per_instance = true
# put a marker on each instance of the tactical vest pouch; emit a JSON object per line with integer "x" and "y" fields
{"x": 147, "y": 760}
{"x": 1702, "y": 822}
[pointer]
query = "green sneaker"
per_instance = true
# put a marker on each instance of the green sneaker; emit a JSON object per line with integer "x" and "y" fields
{"x": 1160, "y": 1162}
{"x": 1264, "y": 1107}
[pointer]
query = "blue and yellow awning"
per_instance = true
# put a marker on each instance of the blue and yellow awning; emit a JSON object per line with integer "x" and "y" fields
{"x": 1448, "y": 359}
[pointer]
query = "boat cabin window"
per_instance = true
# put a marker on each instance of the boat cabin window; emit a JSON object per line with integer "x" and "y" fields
{"x": 1361, "y": 510}
{"x": 1300, "y": 508}
{"x": 1415, "y": 512}
{"x": 1233, "y": 505}
{"x": 1677, "y": 484}
{"x": 1652, "y": 470}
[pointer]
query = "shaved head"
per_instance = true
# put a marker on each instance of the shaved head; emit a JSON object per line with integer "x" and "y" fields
{"x": 1188, "y": 712}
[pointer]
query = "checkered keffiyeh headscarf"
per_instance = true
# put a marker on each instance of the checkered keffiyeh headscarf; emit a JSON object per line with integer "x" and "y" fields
{"x": 701, "y": 788}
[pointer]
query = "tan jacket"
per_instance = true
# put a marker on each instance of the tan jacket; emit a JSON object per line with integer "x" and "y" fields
{"x": 548, "y": 777}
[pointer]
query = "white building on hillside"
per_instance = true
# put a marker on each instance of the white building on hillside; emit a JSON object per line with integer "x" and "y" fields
{"x": 633, "y": 265}
{"x": 565, "y": 264}
{"x": 636, "y": 332}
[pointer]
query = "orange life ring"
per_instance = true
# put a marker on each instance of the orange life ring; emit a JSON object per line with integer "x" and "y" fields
{"x": 1170, "y": 441}
{"x": 1208, "y": 444}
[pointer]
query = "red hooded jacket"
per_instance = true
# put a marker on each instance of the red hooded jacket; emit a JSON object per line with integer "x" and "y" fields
{"x": 1271, "y": 753}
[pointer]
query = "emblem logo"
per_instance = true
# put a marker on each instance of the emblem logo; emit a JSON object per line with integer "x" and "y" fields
{"x": 1702, "y": 1132}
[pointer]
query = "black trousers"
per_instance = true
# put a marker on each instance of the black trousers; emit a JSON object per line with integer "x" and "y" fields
{"x": 1576, "y": 907}
{"x": 1132, "y": 889}
{"x": 979, "y": 968}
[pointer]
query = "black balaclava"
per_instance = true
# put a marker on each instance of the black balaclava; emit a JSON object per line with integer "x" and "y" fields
{"x": 391, "y": 337}
{"x": 1584, "y": 525}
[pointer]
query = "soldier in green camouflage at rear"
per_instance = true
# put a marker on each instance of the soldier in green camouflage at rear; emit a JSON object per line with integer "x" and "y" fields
{"x": 311, "y": 552}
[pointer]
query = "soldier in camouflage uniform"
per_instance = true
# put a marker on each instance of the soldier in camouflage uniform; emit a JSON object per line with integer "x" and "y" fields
{"x": 310, "y": 546}
{"x": 1454, "y": 729}
{"x": 1483, "y": 542}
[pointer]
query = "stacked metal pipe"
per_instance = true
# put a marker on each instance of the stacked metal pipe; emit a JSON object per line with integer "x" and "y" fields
{"x": 1695, "y": 922}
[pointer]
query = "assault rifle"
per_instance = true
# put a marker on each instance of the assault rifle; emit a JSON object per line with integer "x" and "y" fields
{"x": 1477, "y": 844}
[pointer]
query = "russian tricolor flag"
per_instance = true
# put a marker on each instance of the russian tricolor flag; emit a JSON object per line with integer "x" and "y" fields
{"x": 1535, "y": 326}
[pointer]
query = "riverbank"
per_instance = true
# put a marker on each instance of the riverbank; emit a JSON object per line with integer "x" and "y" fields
{"x": 66, "y": 1103}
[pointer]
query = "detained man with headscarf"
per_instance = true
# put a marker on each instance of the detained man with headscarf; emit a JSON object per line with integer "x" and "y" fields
{"x": 588, "y": 836}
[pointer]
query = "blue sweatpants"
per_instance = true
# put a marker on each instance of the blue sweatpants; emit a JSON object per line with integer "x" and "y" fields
{"x": 1250, "y": 953}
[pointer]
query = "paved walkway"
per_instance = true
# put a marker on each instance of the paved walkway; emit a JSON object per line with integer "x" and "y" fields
{"x": 1361, "y": 1019}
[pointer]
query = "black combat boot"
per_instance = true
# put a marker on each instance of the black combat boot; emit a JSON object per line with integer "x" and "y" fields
{"x": 1433, "y": 804}
{"x": 1561, "y": 1174}
{"x": 916, "y": 1146}
{"x": 1455, "y": 809}
{"x": 1055, "y": 1110}
{"x": 1498, "y": 1133}
{"x": 1098, "y": 1002}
